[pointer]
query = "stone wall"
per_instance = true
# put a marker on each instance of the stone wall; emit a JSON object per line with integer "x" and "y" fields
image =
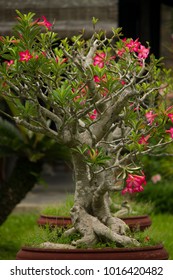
{"x": 69, "y": 16}
{"x": 166, "y": 46}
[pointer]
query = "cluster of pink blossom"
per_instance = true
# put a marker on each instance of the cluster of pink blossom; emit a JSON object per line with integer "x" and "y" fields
{"x": 93, "y": 115}
{"x": 134, "y": 183}
{"x": 144, "y": 139}
{"x": 150, "y": 116}
{"x": 134, "y": 46}
{"x": 26, "y": 55}
{"x": 99, "y": 59}
{"x": 45, "y": 23}
{"x": 170, "y": 116}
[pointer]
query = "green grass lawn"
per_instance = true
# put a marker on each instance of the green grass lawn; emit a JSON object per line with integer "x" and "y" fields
{"x": 12, "y": 233}
{"x": 17, "y": 227}
{"x": 162, "y": 229}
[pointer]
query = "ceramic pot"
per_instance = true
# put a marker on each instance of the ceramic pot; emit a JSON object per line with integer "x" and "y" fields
{"x": 157, "y": 252}
{"x": 136, "y": 222}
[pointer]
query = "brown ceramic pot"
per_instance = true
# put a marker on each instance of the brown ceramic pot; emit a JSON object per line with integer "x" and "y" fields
{"x": 157, "y": 252}
{"x": 141, "y": 222}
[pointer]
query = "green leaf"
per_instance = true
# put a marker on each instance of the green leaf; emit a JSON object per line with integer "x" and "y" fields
{"x": 11, "y": 139}
{"x": 63, "y": 94}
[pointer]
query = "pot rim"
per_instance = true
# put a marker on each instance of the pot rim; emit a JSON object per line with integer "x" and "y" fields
{"x": 94, "y": 250}
{"x": 69, "y": 218}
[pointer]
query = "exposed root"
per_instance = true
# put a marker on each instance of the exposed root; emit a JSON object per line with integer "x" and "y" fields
{"x": 108, "y": 234}
{"x": 51, "y": 245}
{"x": 70, "y": 231}
{"x": 117, "y": 225}
{"x": 91, "y": 229}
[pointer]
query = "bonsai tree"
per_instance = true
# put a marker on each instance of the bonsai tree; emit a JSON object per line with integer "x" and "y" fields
{"x": 104, "y": 98}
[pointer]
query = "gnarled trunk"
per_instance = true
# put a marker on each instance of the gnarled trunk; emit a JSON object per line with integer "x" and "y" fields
{"x": 90, "y": 214}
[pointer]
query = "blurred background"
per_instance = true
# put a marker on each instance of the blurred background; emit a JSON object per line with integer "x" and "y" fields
{"x": 151, "y": 21}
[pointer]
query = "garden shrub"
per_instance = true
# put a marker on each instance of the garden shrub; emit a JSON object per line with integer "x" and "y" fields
{"x": 161, "y": 165}
{"x": 160, "y": 195}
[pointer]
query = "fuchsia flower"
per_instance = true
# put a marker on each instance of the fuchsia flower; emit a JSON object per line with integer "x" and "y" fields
{"x": 99, "y": 59}
{"x": 134, "y": 183}
{"x": 143, "y": 140}
{"x": 156, "y": 178}
{"x": 9, "y": 62}
{"x": 170, "y": 116}
{"x": 143, "y": 52}
{"x": 150, "y": 117}
{"x": 97, "y": 79}
{"x": 135, "y": 109}
{"x": 93, "y": 115}
{"x": 133, "y": 46}
{"x": 120, "y": 52}
{"x": 123, "y": 82}
{"x": 45, "y": 23}
{"x": 170, "y": 131}
{"x": 25, "y": 56}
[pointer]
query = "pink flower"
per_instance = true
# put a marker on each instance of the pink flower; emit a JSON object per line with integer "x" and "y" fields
{"x": 143, "y": 52}
{"x": 45, "y": 23}
{"x": 135, "y": 180}
{"x": 99, "y": 59}
{"x": 170, "y": 131}
{"x": 93, "y": 115}
{"x": 97, "y": 79}
{"x": 156, "y": 178}
{"x": 170, "y": 116}
{"x": 135, "y": 108}
{"x": 9, "y": 62}
{"x": 25, "y": 56}
{"x": 123, "y": 82}
{"x": 127, "y": 190}
{"x": 120, "y": 52}
{"x": 143, "y": 139}
{"x": 134, "y": 183}
{"x": 150, "y": 117}
{"x": 133, "y": 46}
{"x": 43, "y": 53}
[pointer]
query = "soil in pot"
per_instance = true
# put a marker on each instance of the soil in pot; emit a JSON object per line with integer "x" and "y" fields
{"x": 134, "y": 222}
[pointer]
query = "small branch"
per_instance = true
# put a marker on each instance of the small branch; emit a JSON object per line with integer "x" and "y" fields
{"x": 51, "y": 116}
{"x": 147, "y": 94}
{"x": 44, "y": 130}
{"x": 89, "y": 57}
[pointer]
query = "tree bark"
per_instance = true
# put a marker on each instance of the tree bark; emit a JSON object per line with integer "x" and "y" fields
{"x": 91, "y": 215}
{"x": 21, "y": 181}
